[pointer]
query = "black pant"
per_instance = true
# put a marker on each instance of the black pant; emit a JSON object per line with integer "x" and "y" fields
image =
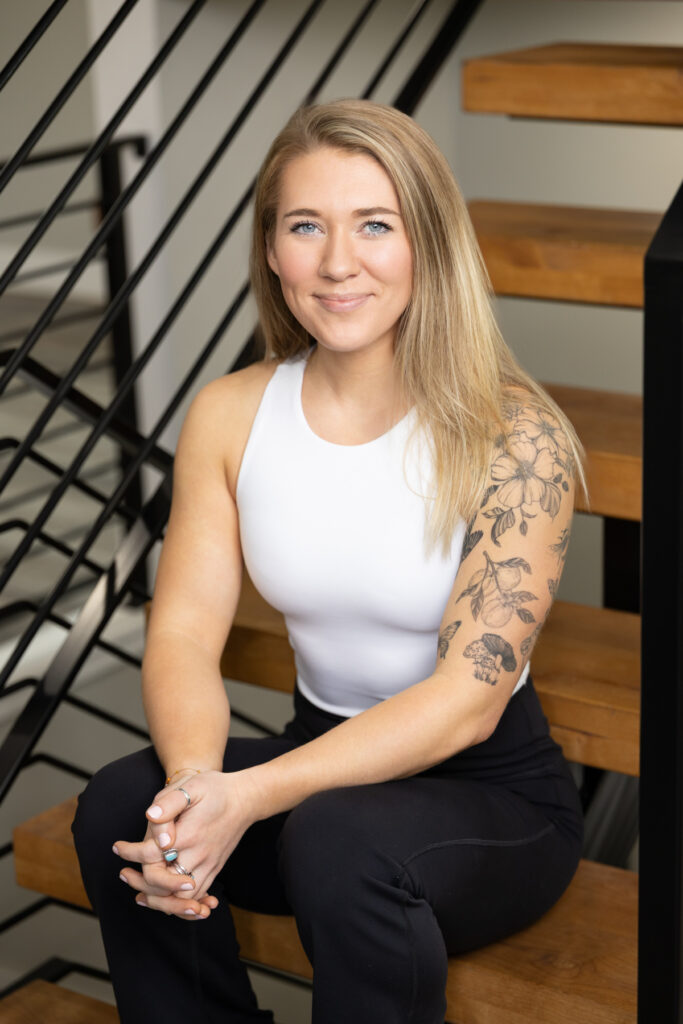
{"x": 385, "y": 880}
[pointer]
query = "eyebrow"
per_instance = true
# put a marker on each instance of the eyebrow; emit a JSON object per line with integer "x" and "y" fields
{"x": 370, "y": 211}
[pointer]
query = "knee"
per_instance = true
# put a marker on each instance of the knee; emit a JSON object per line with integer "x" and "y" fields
{"x": 113, "y": 807}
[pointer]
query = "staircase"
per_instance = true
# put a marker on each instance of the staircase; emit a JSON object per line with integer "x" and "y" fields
{"x": 585, "y": 962}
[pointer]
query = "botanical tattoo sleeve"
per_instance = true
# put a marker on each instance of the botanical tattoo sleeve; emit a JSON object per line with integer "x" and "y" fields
{"x": 514, "y": 548}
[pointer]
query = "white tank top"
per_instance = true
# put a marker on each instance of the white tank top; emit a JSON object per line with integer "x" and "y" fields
{"x": 333, "y": 537}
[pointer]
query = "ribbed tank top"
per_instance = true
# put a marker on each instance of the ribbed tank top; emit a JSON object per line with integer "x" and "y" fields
{"x": 333, "y": 537}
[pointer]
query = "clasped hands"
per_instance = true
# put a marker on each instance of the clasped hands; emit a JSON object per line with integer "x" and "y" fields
{"x": 204, "y": 833}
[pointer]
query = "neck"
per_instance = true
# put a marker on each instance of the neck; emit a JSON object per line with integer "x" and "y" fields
{"x": 365, "y": 378}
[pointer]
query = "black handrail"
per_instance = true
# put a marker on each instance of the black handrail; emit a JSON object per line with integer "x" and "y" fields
{"x": 660, "y": 970}
{"x": 64, "y": 93}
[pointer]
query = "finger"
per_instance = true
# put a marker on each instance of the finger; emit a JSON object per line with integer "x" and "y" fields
{"x": 164, "y": 835}
{"x": 188, "y": 910}
{"x": 145, "y": 852}
{"x": 139, "y": 883}
{"x": 168, "y": 805}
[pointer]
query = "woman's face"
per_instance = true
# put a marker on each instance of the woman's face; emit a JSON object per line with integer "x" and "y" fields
{"x": 341, "y": 251}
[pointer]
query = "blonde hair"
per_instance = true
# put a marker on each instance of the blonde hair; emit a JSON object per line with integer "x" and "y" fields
{"x": 452, "y": 361}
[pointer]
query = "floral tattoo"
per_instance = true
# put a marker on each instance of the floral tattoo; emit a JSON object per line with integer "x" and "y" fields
{"x": 494, "y": 595}
{"x": 532, "y": 471}
{"x": 491, "y": 654}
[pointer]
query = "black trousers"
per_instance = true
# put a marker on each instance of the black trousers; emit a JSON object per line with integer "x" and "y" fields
{"x": 385, "y": 881}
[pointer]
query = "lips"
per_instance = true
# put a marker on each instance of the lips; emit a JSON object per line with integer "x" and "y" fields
{"x": 342, "y": 303}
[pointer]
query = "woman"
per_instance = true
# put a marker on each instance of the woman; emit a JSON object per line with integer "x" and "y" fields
{"x": 403, "y": 492}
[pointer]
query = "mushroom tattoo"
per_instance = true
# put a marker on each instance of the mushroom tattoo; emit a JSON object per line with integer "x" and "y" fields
{"x": 490, "y": 654}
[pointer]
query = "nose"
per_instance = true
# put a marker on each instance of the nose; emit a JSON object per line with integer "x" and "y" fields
{"x": 339, "y": 257}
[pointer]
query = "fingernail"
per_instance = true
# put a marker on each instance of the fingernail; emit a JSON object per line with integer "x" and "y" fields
{"x": 154, "y": 811}
{"x": 141, "y": 903}
{"x": 190, "y": 913}
{"x": 187, "y": 885}
{"x": 115, "y": 850}
{"x": 123, "y": 878}
{"x": 164, "y": 839}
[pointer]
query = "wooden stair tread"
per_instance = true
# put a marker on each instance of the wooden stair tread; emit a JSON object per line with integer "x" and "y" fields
{"x": 40, "y": 1001}
{"x": 580, "y": 81}
{"x": 586, "y": 670}
{"x": 572, "y": 253}
{"x": 577, "y": 963}
{"x": 610, "y": 425}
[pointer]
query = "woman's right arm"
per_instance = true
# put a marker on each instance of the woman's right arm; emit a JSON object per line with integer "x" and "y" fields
{"x": 196, "y": 592}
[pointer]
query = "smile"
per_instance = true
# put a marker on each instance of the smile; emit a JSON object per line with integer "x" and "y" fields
{"x": 342, "y": 303}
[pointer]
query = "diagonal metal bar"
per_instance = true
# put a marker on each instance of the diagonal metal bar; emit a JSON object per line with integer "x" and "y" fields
{"x": 339, "y": 52}
{"x": 64, "y": 321}
{"x": 56, "y": 470}
{"x": 104, "y": 645}
{"x": 85, "y": 409}
{"x": 109, "y": 221}
{"x": 391, "y": 55}
{"x": 63, "y": 95}
{"x": 36, "y": 33}
{"x": 98, "y": 146}
{"x": 32, "y": 216}
{"x": 442, "y": 45}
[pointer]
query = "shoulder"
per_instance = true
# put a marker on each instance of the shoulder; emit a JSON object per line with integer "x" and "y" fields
{"x": 221, "y": 415}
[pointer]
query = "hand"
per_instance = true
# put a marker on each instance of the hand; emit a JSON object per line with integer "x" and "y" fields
{"x": 204, "y": 833}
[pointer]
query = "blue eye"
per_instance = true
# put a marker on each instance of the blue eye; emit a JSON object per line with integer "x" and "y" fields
{"x": 304, "y": 227}
{"x": 376, "y": 227}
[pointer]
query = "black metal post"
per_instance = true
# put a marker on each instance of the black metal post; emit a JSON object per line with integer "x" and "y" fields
{"x": 111, "y": 185}
{"x": 660, "y": 950}
{"x": 621, "y": 564}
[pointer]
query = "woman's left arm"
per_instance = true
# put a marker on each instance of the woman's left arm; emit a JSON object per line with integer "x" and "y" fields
{"x": 512, "y": 560}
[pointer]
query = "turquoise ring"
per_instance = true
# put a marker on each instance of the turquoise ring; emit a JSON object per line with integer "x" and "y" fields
{"x": 170, "y": 856}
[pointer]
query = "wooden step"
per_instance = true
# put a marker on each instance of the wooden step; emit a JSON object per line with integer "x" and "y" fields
{"x": 610, "y": 425}
{"x": 586, "y": 669}
{"x": 578, "y": 963}
{"x": 580, "y": 81}
{"x": 572, "y": 253}
{"x": 43, "y": 1003}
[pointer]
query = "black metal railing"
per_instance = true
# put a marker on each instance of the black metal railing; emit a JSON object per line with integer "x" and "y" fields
{"x": 21, "y": 373}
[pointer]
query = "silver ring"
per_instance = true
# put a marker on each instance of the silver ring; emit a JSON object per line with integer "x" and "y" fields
{"x": 179, "y": 789}
{"x": 183, "y": 871}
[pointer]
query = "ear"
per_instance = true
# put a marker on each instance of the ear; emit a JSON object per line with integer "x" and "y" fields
{"x": 272, "y": 260}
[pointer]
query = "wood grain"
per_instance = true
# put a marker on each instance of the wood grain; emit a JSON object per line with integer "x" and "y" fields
{"x": 586, "y": 670}
{"x": 580, "y": 81}
{"x": 610, "y": 426}
{"x": 571, "y": 253}
{"x": 43, "y": 1003}
{"x": 577, "y": 963}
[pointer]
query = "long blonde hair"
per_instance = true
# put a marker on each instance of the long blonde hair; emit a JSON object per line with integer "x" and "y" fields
{"x": 452, "y": 361}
